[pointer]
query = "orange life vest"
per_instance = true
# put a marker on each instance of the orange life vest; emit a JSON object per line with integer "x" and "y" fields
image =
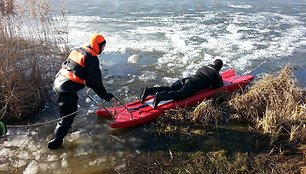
{"x": 74, "y": 67}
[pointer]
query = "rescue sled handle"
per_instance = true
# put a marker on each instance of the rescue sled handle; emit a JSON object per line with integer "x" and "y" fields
{"x": 98, "y": 104}
{"x": 115, "y": 97}
{"x": 121, "y": 102}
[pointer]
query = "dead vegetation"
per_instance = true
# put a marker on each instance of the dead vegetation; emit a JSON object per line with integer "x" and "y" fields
{"x": 30, "y": 57}
{"x": 274, "y": 105}
{"x": 214, "y": 162}
{"x": 259, "y": 130}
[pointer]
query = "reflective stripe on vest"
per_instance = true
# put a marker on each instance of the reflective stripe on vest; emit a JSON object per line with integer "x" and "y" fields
{"x": 89, "y": 50}
{"x": 78, "y": 57}
{"x": 76, "y": 72}
{"x": 72, "y": 76}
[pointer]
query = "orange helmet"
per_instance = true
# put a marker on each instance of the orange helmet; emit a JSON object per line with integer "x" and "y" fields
{"x": 96, "y": 42}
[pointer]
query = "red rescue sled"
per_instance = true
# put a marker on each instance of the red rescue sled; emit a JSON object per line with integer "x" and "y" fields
{"x": 136, "y": 113}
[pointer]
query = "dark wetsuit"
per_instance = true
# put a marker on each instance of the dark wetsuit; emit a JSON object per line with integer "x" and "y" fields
{"x": 67, "y": 89}
{"x": 205, "y": 77}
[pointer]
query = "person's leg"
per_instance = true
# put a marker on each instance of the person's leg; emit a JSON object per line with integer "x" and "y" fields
{"x": 166, "y": 95}
{"x": 195, "y": 85}
{"x": 178, "y": 84}
{"x": 190, "y": 86}
{"x": 152, "y": 91}
{"x": 67, "y": 106}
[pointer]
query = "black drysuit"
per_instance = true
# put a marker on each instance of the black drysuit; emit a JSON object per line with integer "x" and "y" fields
{"x": 67, "y": 89}
{"x": 205, "y": 77}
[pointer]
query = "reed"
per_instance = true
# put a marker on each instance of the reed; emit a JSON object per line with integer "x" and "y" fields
{"x": 172, "y": 121}
{"x": 211, "y": 111}
{"x": 31, "y": 52}
{"x": 275, "y": 105}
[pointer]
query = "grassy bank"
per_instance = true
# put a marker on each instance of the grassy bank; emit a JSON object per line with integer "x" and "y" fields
{"x": 259, "y": 130}
{"x": 30, "y": 57}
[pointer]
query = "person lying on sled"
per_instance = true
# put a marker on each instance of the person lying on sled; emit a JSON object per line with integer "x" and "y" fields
{"x": 206, "y": 77}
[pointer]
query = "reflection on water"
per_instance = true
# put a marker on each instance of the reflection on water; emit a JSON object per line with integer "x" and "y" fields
{"x": 90, "y": 147}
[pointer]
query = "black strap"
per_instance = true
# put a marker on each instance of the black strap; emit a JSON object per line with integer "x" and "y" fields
{"x": 139, "y": 107}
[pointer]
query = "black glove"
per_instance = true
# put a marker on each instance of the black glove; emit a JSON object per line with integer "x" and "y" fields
{"x": 108, "y": 96}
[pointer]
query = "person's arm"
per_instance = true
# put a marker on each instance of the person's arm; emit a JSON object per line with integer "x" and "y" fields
{"x": 94, "y": 78}
{"x": 220, "y": 80}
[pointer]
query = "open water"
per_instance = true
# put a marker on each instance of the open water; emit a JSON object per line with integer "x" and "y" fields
{"x": 155, "y": 42}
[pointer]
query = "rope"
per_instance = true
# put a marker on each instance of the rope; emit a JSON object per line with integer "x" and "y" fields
{"x": 3, "y": 127}
{"x": 47, "y": 122}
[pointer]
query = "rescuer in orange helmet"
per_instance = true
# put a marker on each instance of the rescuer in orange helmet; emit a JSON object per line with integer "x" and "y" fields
{"x": 80, "y": 69}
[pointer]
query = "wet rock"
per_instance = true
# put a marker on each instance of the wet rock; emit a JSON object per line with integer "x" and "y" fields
{"x": 73, "y": 136}
{"x": 64, "y": 163}
{"x": 23, "y": 155}
{"x": 97, "y": 161}
{"x": 5, "y": 152}
{"x": 118, "y": 146}
{"x": 4, "y": 167}
{"x": 19, "y": 163}
{"x": 83, "y": 151}
{"x": 38, "y": 153}
{"x": 120, "y": 153}
{"x": 52, "y": 158}
{"x": 47, "y": 167}
{"x": 120, "y": 167}
{"x": 63, "y": 155}
{"x": 16, "y": 142}
{"x": 33, "y": 133}
{"x": 32, "y": 168}
{"x": 132, "y": 140}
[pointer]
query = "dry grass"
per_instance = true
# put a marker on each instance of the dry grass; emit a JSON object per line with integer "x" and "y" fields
{"x": 172, "y": 121}
{"x": 276, "y": 105}
{"x": 206, "y": 112}
{"x": 215, "y": 162}
{"x": 29, "y": 57}
{"x": 266, "y": 134}
{"x": 211, "y": 111}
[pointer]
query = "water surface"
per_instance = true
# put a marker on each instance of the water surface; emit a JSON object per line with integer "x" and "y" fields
{"x": 155, "y": 43}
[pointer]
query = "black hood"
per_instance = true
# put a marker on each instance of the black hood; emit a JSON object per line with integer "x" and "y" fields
{"x": 218, "y": 64}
